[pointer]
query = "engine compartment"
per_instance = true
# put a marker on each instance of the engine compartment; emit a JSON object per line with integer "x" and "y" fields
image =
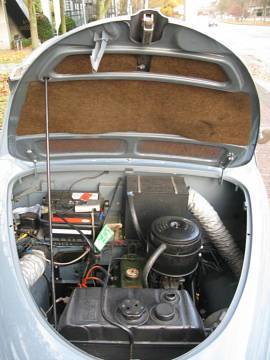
{"x": 144, "y": 264}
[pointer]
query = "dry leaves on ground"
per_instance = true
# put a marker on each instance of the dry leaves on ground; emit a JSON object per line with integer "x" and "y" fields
{"x": 13, "y": 56}
{"x": 4, "y": 93}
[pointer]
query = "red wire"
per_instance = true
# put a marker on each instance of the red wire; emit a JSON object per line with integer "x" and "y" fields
{"x": 84, "y": 285}
{"x": 87, "y": 276}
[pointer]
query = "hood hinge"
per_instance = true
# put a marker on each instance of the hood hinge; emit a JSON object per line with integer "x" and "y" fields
{"x": 225, "y": 161}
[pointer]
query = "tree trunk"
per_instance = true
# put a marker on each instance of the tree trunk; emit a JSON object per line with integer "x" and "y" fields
{"x": 264, "y": 9}
{"x": 62, "y": 14}
{"x": 102, "y": 8}
{"x": 33, "y": 24}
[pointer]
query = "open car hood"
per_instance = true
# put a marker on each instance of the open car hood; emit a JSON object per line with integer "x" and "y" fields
{"x": 143, "y": 87}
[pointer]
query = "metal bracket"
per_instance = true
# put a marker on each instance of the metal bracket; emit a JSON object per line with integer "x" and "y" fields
{"x": 224, "y": 163}
{"x": 148, "y": 25}
{"x": 148, "y": 28}
{"x": 101, "y": 40}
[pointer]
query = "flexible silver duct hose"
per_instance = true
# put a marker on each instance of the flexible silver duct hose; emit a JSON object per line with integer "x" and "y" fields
{"x": 33, "y": 267}
{"x": 216, "y": 231}
{"x": 150, "y": 262}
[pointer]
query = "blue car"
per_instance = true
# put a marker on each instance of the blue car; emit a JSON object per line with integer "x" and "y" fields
{"x": 134, "y": 220}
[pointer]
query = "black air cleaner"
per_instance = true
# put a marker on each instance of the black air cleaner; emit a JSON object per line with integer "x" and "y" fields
{"x": 182, "y": 238}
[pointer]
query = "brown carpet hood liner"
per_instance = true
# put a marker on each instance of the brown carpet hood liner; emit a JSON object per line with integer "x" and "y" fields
{"x": 102, "y": 106}
{"x": 80, "y": 64}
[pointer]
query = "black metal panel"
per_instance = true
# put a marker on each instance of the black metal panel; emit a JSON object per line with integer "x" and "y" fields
{"x": 154, "y": 196}
{"x": 167, "y": 325}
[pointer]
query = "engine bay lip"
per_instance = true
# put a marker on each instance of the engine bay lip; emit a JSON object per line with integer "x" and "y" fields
{"x": 200, "y": 347}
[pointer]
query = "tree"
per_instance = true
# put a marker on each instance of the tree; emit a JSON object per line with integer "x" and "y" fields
{"x": 224, "y": 5}
{"x": 70, "y": 24}
{"x": 169, "y": 6}
{"x": 235, "y": 10}
{"x": 62, "y": 15}
{"x": 45, "y": 30}
{"x": 102, "y": 8}
{"x": 33, "y": 23}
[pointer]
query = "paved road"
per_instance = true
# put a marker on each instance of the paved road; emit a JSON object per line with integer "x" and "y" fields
{"x": 243, "y": 38}
{"x": 252, "y": 45}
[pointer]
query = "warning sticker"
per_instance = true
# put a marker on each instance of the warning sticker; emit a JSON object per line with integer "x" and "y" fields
{"x": 104, "y": 237}
{"x": 84, "y": 196}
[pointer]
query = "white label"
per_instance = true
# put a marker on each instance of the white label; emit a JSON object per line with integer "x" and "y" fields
{"x": 71, "y": 231}
{"x": 84, "y": 196}
{"x": 87, "y": 208}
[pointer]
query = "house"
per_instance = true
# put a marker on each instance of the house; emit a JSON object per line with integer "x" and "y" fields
{"x": 258, "y": 8}
{"x": 14, "y": 17}
{"x": 13, "y": 21}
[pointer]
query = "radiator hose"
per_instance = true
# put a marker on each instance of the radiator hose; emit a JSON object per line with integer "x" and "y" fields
{"x": 211, "y": 223}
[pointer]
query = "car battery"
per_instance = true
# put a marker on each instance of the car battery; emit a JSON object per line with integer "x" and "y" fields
{"x": 153, "y": 197}
{"x": 73, "y": 211}
{"x": 79, "y": 202}
{"x": 66, "y": 225}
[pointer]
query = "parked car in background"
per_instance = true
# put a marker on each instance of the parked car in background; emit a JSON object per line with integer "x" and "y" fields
{"x": 212, "y": 21}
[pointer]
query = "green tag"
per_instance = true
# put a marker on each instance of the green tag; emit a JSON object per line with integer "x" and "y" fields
{"x": 104, "y": 237}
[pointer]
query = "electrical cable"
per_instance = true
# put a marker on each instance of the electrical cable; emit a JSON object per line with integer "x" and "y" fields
{"x": 94, "y": 267}
{"x": 82, "y": 179}
{"x": 89, "y": 272}
{"x": 37, "y": 253}
{"x": 79, "y": 231}
{"x": 57, "y": 301}
{"x": 87, "y": 178}
{"x": 94, "y": 278}
{"x": 103, "y": 307}
{"x": 134, "y": 217}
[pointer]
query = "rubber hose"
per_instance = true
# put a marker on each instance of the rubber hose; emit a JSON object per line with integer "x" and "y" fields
{"x": 33, "y": 267}
{"x": 211, "y": 223}
{"x": 150, "y": 262}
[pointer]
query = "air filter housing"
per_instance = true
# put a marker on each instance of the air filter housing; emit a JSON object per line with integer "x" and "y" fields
{"x": 183, "y": 240}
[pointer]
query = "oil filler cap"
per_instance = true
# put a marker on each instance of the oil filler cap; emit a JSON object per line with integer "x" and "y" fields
{"x": 132, "y": 309}
{"x": 164, "y": 312}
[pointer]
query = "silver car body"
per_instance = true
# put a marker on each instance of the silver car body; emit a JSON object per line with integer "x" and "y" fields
{"x": 243, "y": 334}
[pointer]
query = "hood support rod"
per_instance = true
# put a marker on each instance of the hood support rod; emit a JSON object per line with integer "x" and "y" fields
{"x": 48, "y": 168}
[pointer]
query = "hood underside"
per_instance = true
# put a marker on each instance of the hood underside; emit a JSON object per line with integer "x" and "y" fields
{"x": 173, "y": 93}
